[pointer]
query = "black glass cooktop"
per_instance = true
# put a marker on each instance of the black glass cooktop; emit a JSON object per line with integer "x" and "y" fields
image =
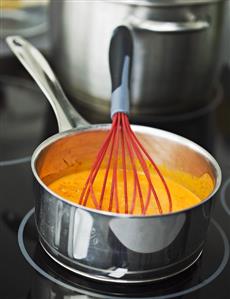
{"x": 27, "y": 272}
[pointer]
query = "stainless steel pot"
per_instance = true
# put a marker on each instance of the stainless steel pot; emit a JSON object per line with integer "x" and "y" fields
{"x": 176, "y": 47}
{"x": 102, "y": 245}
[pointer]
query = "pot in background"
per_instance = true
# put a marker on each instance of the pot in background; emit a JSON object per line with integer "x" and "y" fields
{"x": 176, "y": 45}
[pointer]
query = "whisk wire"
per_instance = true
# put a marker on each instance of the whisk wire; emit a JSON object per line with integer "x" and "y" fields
{"x": 107, "y": 169}
{"x": 156, "y": 169}
{"x": 133, "y": 164}
{"x": 94, "y": 170}
{"x": 145, "y": 169}
{"x": 113, "y": 193}
{"x": 123, "y": 157}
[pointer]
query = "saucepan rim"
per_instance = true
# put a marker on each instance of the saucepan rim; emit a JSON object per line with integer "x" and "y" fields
{"x": 138, "y": 129}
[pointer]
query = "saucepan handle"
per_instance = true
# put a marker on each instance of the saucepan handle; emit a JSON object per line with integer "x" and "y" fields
{"x": 39, "y": 69}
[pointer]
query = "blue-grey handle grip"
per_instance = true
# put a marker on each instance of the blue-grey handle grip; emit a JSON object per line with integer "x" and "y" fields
{"x": 120, "y": 60}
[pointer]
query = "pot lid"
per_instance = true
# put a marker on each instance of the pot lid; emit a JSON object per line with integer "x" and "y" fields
{"x": 167, "y": 3}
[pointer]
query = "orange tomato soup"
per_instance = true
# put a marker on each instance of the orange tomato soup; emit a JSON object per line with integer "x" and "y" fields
{"x": 186, "y": 190}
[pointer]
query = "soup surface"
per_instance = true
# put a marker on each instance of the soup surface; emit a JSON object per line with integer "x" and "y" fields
{"x": 186, "y": 190}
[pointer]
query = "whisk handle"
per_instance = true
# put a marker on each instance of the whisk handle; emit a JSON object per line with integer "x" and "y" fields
{"x": 120, "y": 60}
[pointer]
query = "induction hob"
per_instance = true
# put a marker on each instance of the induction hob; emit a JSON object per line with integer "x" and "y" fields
{"x": 27, "y": 272}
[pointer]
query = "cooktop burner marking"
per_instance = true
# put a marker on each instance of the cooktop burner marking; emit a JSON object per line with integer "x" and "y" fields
{"x": 223, "y": 196}
{"x": 96, "y": 295}
{"x": 15, "y": 161}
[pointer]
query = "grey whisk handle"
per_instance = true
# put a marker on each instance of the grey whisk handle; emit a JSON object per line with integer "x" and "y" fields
{"x": 120, "y": 60}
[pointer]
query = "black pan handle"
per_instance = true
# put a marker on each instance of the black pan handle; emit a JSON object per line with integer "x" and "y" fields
{"x": 120, "y": 61}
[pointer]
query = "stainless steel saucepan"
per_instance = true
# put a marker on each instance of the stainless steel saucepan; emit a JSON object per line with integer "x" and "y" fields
{"x": 102, "y": 245}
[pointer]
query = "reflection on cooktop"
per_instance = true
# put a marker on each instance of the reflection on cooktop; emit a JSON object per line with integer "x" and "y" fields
{"x": 21, "y": 120}
{"x": 225, "y": 200}
{"x": 201, "y": 274}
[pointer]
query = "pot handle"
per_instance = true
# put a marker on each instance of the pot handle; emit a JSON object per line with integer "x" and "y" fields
{"x": 39, "y": 69}
{"x": 167, "y": 27}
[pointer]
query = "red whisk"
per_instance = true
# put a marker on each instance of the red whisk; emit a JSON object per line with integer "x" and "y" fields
{"x": 121, "y": 146}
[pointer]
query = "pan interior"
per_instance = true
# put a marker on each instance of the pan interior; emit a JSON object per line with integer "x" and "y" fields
{"x": 77, "y": 151}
